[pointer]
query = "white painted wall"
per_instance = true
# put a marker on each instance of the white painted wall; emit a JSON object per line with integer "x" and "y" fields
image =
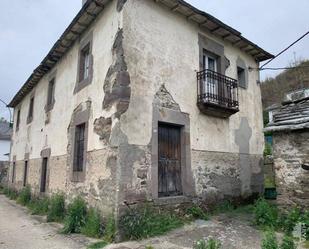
{"x": 36, "y": 136}
{"x": 4, "y": 149}
{"x": 161, "y": 47}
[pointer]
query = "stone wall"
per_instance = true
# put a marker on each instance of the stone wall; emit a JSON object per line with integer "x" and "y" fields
{"x": 98, "y": 189}
{"x": 221, "y": 176}
{"x": 291, "y": 152}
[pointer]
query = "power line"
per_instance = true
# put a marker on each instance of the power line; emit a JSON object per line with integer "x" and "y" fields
{"x": 281, "y": 68}
{"x": 300, "y": 38}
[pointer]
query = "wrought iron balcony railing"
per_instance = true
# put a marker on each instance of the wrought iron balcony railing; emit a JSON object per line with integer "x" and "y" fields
{"x": 217, "y": 94}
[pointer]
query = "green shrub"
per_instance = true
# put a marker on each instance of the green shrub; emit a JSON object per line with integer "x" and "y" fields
{"x": 197, "y": 213}
{"x": 210, "y": 244}
{"x": 265, "y": 215}
{"x": 39, "y": 206}
{"x": 290, "y": 220}
{"x": 270, "y": 241}
{"x": 224, "y": 207}
{"x": 287, "y": 243}
{"x": 56, "y": 211}
{"x": 76, "y": 216}
{"x": 92, "y": 227}
{"x": 10, "y": 193}
{"x": 146, "y": 222}
{"x": 24, "y": 196}
{"x": 267, "y": 149}
{"x": 110, "y": 229}
{"x": 304, "y": 219}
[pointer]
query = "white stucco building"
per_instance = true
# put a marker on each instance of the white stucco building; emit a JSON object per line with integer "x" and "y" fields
{"x": 142, "y": 100}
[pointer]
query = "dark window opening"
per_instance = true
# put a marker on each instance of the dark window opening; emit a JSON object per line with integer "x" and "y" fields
{"x": 84, "y": 63}
{"x": 25, "y": 173}
{"x": 50, "y": 94}
{"x": 44, "y": 175}
{"x": 13, "y": 172}
{"x": 79, "y": 148}
{"x": 241, "y": 76}
{"x": 18, "y": 120}
{"x": 30, "y": 113}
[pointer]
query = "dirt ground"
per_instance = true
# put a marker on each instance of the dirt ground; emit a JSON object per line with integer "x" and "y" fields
{"x": 20, "y": 230}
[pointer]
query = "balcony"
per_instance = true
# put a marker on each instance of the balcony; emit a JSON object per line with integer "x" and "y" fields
{"x": 217, "y": 94}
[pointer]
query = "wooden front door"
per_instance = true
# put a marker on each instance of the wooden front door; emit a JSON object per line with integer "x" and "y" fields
{"x": 44, "y": 175}
{"x": 169, "y": 150}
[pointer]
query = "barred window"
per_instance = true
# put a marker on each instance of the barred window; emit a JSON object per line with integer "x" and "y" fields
{"x": 79, "y": 147}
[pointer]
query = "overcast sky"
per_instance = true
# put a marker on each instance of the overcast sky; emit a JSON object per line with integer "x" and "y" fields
{"x": 29, "y": 28}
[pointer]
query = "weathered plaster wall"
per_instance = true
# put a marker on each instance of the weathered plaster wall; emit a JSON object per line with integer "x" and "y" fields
{"x": 162, "y": 48}
{"x": 55, "y": 134}
{"x": 290, "y": 151}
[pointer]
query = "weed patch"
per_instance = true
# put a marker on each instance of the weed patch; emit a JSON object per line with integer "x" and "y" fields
{"x": 110, "y": 229}
{"x": 270, "y": 240}
{"x": 287, "y": 243}
{"x": 93, "y": 224}
{"x": 210, "y": 244}
{"x": 39, "y": 206}
{"x": 76, "y": 216}
{"x": 197, "y": 213}
{"x": 24, "y": 196}
{"x": 56, "y": 211}
{"x": 98, "y": 245}
{"x": 265, "y": 215}
{"x": 146, "y": 222}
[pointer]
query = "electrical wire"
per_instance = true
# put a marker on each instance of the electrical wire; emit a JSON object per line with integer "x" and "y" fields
{"x": 300, "y": 38}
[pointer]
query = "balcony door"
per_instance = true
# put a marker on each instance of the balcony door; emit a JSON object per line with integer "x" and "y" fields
{"x": 210, "y": 82}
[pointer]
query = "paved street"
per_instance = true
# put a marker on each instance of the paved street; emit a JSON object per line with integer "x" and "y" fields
{"x": 19, "y": 230}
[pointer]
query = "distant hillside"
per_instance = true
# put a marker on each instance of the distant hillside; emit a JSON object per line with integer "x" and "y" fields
{"x": 274, "y": 89}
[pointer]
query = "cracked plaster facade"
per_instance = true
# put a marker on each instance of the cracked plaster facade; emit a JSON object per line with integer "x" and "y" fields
{"x": 144, "y": 62}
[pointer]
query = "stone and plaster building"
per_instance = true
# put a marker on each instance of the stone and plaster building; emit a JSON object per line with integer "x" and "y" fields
{"x": 5, "y": 144}
{"x": 142, "y": 101}
{"x": 289, "y": 126}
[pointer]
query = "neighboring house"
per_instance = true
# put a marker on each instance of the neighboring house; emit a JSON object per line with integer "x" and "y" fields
{"x": 5, "y": 145}
{"x": 290, "y": 131}
{"x": 5, "y": 140}
{"x": 142, "y": 100}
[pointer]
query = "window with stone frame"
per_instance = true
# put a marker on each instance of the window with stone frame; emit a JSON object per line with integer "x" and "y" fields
{"x": 13, "y": 172}
{"x": 50, "y": 94}
{"x": 84, "y": 69}
{"x": 79, "y": 148}
{"x": 85, "y": 64}
{"x": 18, "y": 120}
{"x": 241, "y": 77}
{"x": 30, "y": 111}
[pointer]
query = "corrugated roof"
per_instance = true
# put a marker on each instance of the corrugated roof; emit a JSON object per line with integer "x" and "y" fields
{"x": 90, "y": 11}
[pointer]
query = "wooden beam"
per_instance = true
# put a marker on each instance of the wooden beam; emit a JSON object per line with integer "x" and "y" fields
{"x": 215, "y": 29}
{"x": 175, "y": 7}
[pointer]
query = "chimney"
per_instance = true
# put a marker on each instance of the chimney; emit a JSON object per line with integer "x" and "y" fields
{"x": 84, "y": 1}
